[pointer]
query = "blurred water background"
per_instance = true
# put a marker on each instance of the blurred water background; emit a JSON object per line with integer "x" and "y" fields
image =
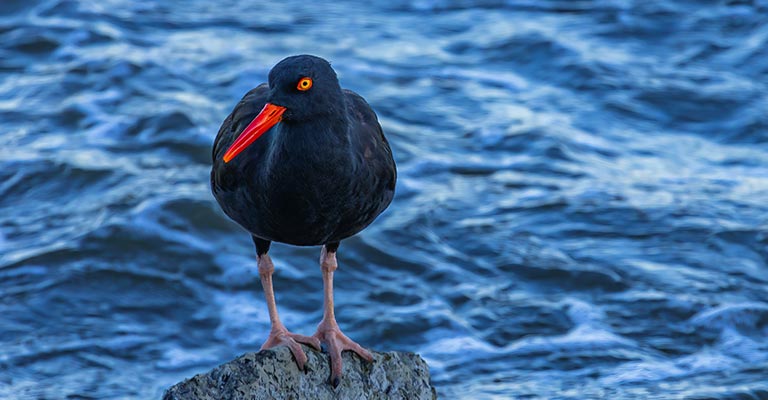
{"x": 582, "y": 209}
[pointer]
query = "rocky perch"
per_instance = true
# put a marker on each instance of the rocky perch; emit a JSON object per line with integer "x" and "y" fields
{"x": 272, "y": 374}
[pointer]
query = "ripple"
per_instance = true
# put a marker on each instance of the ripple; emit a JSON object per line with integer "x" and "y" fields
{"x": 745, "y": 317}
{"x": 580, "y": 211}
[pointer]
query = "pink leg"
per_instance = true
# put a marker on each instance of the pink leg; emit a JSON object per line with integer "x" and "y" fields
{"x": 328, "y": 330}
{"x": 279, "y": 335}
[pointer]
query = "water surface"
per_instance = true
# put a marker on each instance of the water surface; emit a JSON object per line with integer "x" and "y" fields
{"x": 582, "y": 209}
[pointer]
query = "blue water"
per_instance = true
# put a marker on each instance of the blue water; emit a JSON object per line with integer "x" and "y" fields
{"x": 582, "y": 209}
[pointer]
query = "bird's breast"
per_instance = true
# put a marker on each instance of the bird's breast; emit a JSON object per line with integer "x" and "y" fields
{"x": 301, "y": 196}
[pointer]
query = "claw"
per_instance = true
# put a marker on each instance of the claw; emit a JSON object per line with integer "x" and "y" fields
{"x": 338, "y": 342}
{"x": 281, "y": 337}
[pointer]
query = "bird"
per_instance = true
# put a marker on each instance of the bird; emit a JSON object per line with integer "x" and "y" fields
{"x": 303, "y": 162}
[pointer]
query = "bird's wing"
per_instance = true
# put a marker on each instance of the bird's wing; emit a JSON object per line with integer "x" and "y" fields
{"x": 243, "y": 113}
{"x": 370, "y": 141}
{"x": 374, "y": 171}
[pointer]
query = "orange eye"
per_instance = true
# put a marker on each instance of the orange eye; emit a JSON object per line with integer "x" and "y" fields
{"x": 304, "y": 84}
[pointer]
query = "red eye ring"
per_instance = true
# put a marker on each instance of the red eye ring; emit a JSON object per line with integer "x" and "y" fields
{"x": 304, "y": 84}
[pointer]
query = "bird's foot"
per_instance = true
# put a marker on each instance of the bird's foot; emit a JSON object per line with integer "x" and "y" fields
{"x": 281, "y": 337}
{"x": 331, "y": 335}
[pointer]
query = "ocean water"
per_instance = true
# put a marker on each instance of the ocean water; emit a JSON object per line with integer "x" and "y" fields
{"x": 581, "y": 211}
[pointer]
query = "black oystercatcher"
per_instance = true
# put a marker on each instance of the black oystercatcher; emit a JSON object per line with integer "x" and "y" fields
{"x": 311, "y": 168}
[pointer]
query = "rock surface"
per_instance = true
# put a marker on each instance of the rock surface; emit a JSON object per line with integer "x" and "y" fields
{"x": 272, "y": 374}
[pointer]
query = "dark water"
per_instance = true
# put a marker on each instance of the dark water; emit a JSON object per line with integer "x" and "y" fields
{"x": 582, "y": 210}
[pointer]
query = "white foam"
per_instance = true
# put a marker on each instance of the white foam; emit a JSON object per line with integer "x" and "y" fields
{"x": 589, "y": 333}
{"x": 244, "y": 318}
{"x": 659, "y": 370}
{"x": 581, "y": 338}
{"x": 741, "y": 347}
{"x": 582, "y": 313}
{"x": 179, "y": 358}
{"x": 730, "y": 315}
{"x": 458, "y": 345}
{"x": 732, "y": 350}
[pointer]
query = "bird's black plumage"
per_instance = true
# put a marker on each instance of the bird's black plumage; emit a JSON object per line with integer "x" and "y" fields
{"x": 320, "y": 175}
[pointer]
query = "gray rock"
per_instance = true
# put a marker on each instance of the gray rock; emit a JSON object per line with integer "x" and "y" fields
{"x": 272, "y": 374}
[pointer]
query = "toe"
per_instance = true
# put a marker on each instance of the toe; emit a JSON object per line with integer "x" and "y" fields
{"x": 285, "y": 338}
{"x": 338, "y": 342}
{"x": 298, "y": 355}
{"x": 310, "y": 341}
{"x": 348, "y": 344}
{"x": 336, "y": 365}
{"x": 359, "y": 350}
{"x": 363, "y": 353}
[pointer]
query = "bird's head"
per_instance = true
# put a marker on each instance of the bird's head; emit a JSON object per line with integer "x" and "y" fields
{"x": 301, "y": 88}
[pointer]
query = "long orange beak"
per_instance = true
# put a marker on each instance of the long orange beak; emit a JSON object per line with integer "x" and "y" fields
{"x": 267, "y": 118}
